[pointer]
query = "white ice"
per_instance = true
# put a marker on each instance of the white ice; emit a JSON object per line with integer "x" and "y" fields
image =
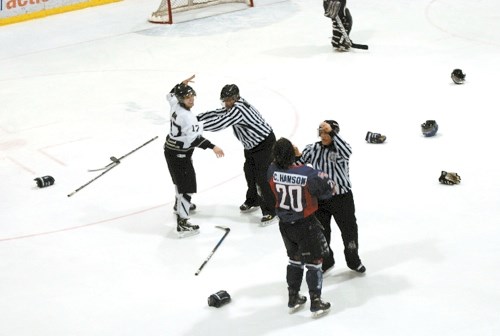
{"x": 80, "y": 87}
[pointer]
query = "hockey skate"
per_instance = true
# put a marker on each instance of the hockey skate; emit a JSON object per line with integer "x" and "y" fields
{"x": 268, "y": 220}
{"x": 333, "y": 9}
{"x": 295, "y": 302}
{"x": 245, "y": 207}
{"x": 319, "y": 307}
{"x": 357, "y": 267}
{"x": 186, "y": 229}
{"x": 360, "y": 268}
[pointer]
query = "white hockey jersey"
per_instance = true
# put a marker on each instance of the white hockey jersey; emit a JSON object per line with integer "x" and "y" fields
{"x": 184, "y": 126}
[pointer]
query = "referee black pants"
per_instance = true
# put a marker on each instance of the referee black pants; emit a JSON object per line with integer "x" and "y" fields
{"x": 257, "y": 161}
{"x": 341, "y": 208}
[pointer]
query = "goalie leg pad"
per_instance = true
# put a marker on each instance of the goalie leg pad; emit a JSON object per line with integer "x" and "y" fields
{"x": 332, "y": 8}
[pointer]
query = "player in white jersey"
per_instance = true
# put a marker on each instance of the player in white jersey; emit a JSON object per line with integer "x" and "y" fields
{"x": 184, "y": 136}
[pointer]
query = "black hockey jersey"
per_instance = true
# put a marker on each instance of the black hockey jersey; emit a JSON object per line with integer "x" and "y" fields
{"x": 297, "y": 189}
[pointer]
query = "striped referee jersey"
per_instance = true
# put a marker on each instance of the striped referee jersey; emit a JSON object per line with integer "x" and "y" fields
{"x": 333, "y": 160}
{"x": 249, "y": 126}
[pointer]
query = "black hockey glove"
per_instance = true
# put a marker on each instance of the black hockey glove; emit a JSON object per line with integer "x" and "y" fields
{"x": 44, "y": 181}
{"x": 219, "y": 299}
{"x": 375, "y": 138}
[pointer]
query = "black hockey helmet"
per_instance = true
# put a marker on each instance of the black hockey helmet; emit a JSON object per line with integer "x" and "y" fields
{"x": 429, "y": 128}
{"x": 230, "y": 91}
{"x": 183, "y": 91}
{"x": 458, "y": 76}
{"x": 283, "y": 153}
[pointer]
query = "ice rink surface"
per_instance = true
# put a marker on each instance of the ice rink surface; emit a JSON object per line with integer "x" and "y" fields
{"x": 80, "y": 87}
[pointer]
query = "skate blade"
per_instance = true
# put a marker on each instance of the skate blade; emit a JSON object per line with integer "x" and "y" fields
{"x": 320, "y": 313}
{"x": 295, "y": 308}
{"x": 185, "y": 234}
{"x": 270, "y": 222}
{"x": 252, "y": 209}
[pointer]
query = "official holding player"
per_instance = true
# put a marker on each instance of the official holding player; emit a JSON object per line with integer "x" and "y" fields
{"x": 331, "y": 155}
{"x": 257, "y": 138}
{"x": 184, "y": 136}
{"x": 296, "y": 190}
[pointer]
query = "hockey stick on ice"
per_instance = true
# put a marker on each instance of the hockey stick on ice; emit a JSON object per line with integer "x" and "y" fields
{"x": 215, "y": 248}
{"x": 117, "y": 161}
{"x": 89, "y": 182}
{"x": 109, "y": 167}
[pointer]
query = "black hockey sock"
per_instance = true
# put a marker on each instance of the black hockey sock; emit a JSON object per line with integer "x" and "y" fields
{"x": 314, "y": 278}
{"x": 294, "y": 274}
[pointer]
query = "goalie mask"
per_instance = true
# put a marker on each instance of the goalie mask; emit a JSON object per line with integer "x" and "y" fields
{"x": 230, "y": 91}
{"x": 458, "y": 76}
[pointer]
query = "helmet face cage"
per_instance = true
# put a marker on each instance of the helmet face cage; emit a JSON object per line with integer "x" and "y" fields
{"x": 230, "y": 91}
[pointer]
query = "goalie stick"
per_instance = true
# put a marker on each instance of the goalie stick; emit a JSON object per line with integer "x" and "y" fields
{"x": 215, "y": 248}
{"x": 109, "y": 167}
{"x": 117, "y": 161}
{"x": 332, "y": 12}
{"x": 346, "y": 37}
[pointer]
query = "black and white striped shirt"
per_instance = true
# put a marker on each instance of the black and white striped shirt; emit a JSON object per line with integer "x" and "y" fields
{"x": 334, "y": 163}
{"x": 249, "y": 126}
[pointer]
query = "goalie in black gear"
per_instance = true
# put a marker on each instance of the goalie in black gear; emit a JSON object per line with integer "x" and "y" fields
{"x": 332, "y": 10}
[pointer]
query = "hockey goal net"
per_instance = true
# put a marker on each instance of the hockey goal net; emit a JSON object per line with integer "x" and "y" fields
{"x": 167, "y": 8}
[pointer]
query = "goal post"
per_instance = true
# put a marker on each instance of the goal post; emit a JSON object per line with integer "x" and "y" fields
{"x": 166, "y": 10}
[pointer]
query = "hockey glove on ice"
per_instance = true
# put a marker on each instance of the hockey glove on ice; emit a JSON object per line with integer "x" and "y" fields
{"x": 376, "y": 138}
{"x": 449, "y": 178}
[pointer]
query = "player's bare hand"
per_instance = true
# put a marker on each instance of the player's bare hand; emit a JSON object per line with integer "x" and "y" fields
{"x": 188, "y": 80}
{"x": 218, "y": 152}
{"x": 296, "y": 151}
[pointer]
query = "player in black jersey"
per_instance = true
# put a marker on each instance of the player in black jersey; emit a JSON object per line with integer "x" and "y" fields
{"x": 296, "y": 190}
